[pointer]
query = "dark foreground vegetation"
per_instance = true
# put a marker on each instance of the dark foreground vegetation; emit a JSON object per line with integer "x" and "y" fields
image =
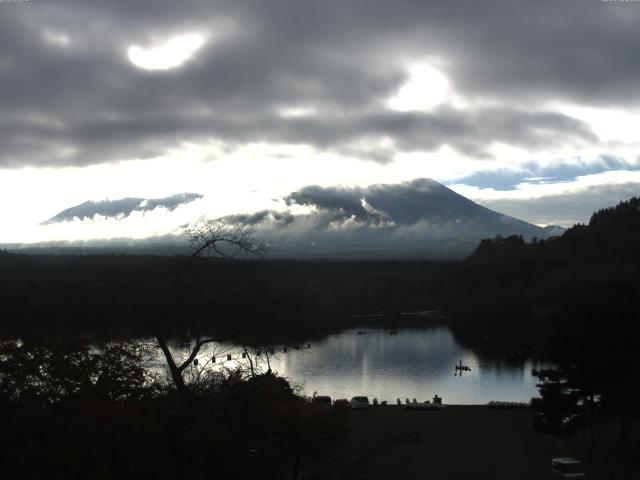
{"x": 573, "y": 299}
{"x": 71, "y": 412}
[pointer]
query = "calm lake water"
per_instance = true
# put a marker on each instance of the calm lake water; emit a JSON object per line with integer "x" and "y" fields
{"x": 412, "y": 363}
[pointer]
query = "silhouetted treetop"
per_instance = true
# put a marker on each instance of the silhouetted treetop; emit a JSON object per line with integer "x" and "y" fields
{"x": 612, "y": 234}
{"x": 624, "y": 216}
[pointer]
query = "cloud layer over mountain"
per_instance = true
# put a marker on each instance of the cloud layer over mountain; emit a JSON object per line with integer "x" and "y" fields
{"x": 417, "y": 218}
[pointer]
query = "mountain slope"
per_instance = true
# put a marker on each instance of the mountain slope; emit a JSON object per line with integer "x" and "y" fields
{"x": 418, "y": 218}
{"x": 409, "y": 203}
{"x": 121, "y": 207}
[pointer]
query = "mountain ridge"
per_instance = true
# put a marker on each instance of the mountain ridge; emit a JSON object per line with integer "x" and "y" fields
{"x": 122, "y": 206}
{"x": 408, "y": 219}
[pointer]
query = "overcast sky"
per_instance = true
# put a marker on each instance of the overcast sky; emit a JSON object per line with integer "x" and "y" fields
{"x": 529, "y": 108}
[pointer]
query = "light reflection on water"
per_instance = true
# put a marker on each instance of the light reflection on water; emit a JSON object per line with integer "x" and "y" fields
{"x": 413, "y": 363}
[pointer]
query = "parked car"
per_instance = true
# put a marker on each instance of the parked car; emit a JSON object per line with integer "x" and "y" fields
{"x": 321, "y": 400}
{"x": 360, "y": 402}
{"x": 567, "y": 469}
{"x": 341, "y": 404}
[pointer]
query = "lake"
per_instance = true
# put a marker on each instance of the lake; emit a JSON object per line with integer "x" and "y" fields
{"x": 412, "y": 363}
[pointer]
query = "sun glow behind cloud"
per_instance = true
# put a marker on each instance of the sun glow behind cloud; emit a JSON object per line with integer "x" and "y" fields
{"x": 425, "y": 89}
{"x": 297, "y": 111}
{"x": 170, "y": 54}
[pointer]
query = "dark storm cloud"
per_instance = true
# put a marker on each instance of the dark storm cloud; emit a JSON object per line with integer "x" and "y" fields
{"x": 84, "y": 102}
{"x": 469, "y": 133}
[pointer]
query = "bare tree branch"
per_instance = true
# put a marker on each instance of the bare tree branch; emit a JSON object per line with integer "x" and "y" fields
{"x": 194, "y": 353}
{"x": 224, "y": 241}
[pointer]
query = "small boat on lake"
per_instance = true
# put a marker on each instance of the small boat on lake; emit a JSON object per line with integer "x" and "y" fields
{"x": 462, "y": 368}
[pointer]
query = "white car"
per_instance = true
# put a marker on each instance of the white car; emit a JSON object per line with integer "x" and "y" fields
{"x": 566, "y": 469}
{"x": 360, "y": 402}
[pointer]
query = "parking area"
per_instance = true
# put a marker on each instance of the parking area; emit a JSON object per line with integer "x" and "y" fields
{"x": 460, "y": 442}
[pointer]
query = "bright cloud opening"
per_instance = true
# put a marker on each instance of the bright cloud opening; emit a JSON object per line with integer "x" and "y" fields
{"x": 169, "y": 55}
{"x": 426, "y": 88}
{"x": 295, "y": 112}
{"x": 59, "y": 39}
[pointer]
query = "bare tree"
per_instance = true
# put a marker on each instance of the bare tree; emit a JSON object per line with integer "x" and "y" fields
{"x": 206, "y": 238}
{"x": 218, "y": 239}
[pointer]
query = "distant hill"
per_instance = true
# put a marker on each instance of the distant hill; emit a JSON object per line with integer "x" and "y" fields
{"x": 417, "y": 219}
{"x": 121, "y": 207}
